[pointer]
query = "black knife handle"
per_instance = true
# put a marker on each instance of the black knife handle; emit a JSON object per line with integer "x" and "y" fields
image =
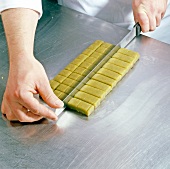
{"x": 138, "y": 29}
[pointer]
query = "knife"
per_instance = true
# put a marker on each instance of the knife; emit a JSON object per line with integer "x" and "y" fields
{"x": 136, "y": 30}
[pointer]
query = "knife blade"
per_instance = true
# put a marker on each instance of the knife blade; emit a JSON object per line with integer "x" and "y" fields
{"x": 136, "y": 30}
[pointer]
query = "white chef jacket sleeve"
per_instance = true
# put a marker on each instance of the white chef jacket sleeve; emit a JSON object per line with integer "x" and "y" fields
{"x": 30, "y": 4}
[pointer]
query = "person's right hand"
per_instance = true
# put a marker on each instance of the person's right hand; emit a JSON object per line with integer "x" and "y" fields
{"x": 149, "y": 13}
{"x": 26, "y": 78}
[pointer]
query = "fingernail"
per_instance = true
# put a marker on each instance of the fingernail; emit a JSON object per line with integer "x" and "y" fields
{"x": 55, "y": 118}
{"x": 59, "y": 103}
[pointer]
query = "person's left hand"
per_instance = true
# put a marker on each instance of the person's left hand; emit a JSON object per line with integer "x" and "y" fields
{"x": 149, "y": 13}
{"x": 27, "y": 77}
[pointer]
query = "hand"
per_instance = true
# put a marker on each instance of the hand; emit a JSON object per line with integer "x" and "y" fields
{"x": 26, "y": 78}
{"x": 149, "y": 13}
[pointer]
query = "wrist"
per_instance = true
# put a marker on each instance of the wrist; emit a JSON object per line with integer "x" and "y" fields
{"x": 21, "y": 59}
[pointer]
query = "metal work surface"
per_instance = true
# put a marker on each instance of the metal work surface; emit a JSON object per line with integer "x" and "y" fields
{"x": 129, "y": 130}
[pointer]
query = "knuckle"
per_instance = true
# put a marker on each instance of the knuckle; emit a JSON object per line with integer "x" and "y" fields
{"x": 48, "y": 96}
{"x": 2, "y": 108}
{"x": 16, "y": 94}
{"x": 152, "y": 28}
{"x": 36, "y": 111}
{"x": 10, "y": 117}
{"x": 158, "y": 24}
{"x": 26, "y": 120}
{"x": 22, "y": 119}
{"x": 7, "y": 97}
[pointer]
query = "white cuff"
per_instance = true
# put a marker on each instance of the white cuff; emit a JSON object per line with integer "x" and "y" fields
{"x": 30, "y": 4}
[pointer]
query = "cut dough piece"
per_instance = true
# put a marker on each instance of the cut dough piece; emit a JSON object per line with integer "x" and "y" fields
{"x": 98, "y": 42}
{"x": 97, "y": 55}
{"x": 85, "y": 107}
{"x": 65, "y": 72}
{"x": 76, "y": 76}
{"x": 99, "y": 85}
{"x": 82, "y": 57}
{"x": 123, "y": 57}
{"x": 107, "y": 45}
{"x": 130, "y": 53}
{"x": 88, "y": 98}
{"x": 87, "y": 65}
{"x": 77, "y": 61}
{"x": 93, "y": 91}
{"x": 81, "y": 106}
{"x": 64, "y": 88}
{"x": 87, "y": 52}
{"x": 109, "y": 73}
{"x": 59, "y": 78}
{"x": 73, "y": 102}
{"x": 105, "y": 79}
{"x": 102, "y": 50}
{"x": 59, "y": 94}
{"x": 93, "y": 47}
{"x": 54, "y": 84}
{"x": 70, "y": 82}
{"x": 91, "y": 60}
{"x": 115, "y": 68}
{"x": 82, "y": 71}
{"x": 120, "y": 63}
{"x": 71, "y": 67}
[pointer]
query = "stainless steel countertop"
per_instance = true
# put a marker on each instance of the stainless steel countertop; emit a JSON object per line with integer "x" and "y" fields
{"x": 129, "y": 130}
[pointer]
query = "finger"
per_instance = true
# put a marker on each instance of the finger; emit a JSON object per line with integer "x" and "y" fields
{"x": 135, "y": 19}
{"x": 49, "y": 97}
{"x": 152, "y": 22}
{"x": 143, "y": 21}
{"x": 35, "y": 107}
{"x": 20, "y": 113}
{"x": 24, "y": 115}
{"x": 158, "y": 20}
{"x": 4, "y": 107}
{"x": 10, "y": 116}
{"x": 162, "y": 15}
{"x": 6, "y": 111}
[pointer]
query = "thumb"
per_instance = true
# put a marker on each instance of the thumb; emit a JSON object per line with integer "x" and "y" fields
{"x": 49, "y": 97}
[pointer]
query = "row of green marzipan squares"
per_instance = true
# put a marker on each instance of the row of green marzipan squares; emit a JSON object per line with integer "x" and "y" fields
{"x": 94, "y": 91}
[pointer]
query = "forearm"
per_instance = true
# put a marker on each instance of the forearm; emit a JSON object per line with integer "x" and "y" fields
{"x": 20, "y": 25}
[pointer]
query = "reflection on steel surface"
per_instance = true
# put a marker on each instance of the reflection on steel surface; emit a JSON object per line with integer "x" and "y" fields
{"x": 131, "y": 129}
